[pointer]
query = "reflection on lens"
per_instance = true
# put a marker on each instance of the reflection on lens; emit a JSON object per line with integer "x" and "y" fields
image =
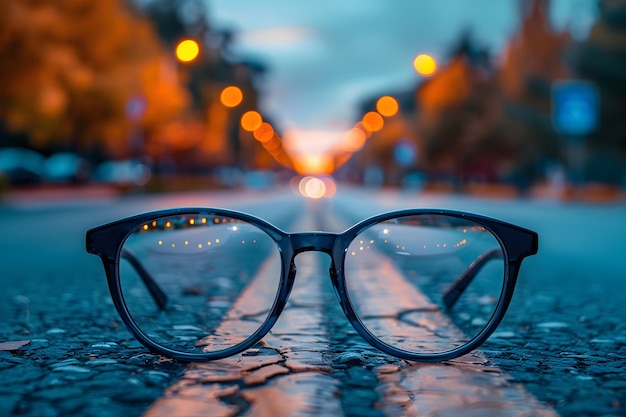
{"x": 425, "y": 283}
{"x": 219, "y": 277}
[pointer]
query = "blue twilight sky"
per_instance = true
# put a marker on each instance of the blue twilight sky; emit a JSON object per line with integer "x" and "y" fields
{"x": 325, "y": 56}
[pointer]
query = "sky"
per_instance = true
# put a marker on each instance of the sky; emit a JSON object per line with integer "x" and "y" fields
{"x": 326, "y": 56}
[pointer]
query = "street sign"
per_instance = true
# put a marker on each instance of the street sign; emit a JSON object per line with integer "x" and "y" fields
{"x": 575, "y": 107}
{"x": 405, "y": 152}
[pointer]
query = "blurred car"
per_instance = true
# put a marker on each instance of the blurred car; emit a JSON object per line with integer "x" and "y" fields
{"x": 21, "y": 166}
{"x": 259, "y": 180}
{"x": 124, "y": 173}
{"x": 67, "y": 167}
{"x": 228, "y": 177}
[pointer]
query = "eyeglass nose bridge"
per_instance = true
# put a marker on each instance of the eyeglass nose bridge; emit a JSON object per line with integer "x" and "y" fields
{"x": 313, "y": 242}
{"x": 317, "y": 242}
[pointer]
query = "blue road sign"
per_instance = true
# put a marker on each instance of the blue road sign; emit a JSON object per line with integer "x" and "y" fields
{"x": 575, "y": 107}
{"x": 405, "y": 152}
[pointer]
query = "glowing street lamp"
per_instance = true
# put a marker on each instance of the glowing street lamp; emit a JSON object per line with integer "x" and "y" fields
{"x": 387, "y": 106}
{"x": 251, "y": 121}
{"x": 425, "y": 64}
{"x": 231, "y": 96}
{"x": 187, "y": 50}
{"x": 373, "y": 121}
{"x": 264, "y": 133}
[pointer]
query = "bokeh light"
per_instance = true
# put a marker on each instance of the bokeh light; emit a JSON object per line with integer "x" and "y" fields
{"x": 425, "y": 64}
{"x": 316, "y": 188}
{"x": 387, "y": 106}
{"x": 354, "y": 140}
{"x": 331, "y": 188}
{"x": 373, "y": 121}
{"x": 251, "y": 120}
{"x": 312, "y": 187}
{"x": 187, "y": 50}
{"x": 313, "y": 164}
{"x": 231, "y": 96}
{"x": 264, "y": 133}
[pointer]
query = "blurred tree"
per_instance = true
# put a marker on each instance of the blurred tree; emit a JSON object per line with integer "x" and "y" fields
{"x": 69, "y": 68}
{"x": 601, "y": 58}
{"x": 211, "y": 134}
{"x": 449, "y": 127}
{"x": 458, "y": 113}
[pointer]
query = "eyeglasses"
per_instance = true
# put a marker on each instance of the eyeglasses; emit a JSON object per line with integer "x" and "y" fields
{"x": 198, "y": 284}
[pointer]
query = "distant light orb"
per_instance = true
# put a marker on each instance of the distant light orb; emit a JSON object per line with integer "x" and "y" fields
{"x": 251, "y": 121}
{"x": 312, "y": 187}
{"x": 425, "y": 64}
{"x": 354, "y": 139}
{"x": 231, "y": 96}
{"x": 331, "y": 187}
{"x": 387, "y": 106}
{"x": 373, "y": 121}
{"x": 187, "y": 50}
{"x": 264, "y": 133}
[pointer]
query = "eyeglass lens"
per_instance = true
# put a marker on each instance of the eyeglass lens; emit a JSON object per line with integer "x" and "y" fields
{"x": 399, "y": 271}
{"x": 219, "y": 278}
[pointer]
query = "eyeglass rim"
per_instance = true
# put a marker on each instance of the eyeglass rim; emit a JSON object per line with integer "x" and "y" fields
{"x": 514, "y": 251}
{"x": 106, "y": 241}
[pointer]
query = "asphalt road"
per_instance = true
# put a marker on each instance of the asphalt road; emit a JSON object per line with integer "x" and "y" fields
{"x": 563, "y": 339}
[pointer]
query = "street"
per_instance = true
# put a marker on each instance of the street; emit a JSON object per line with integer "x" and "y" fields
{"x": 561, "y": 349}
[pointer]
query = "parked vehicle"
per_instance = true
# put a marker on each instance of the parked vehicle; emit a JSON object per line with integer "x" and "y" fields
{"x": 67, "y": 167}
{"x": 21, "y": 166}
{"x": 124, "y": 173}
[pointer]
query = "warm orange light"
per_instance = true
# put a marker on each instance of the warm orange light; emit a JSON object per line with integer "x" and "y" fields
{"x": 354, "y": 140}
{"x": 359, "y": 125}
{"x": 387, "y": 106}
{"x": 231, "y": 96}
{"x": 424, "y": 64}
{"x": 273, "y": 144}
{"x": 187, "y": 50}
{"x": 264, "y": 133}
{"x": 313, "y": 164}
{"x": 331, "y": 188}
{"x": 314, "y": 187}
{"x": 373, "y": 121}
{"x": 251, "y": 121}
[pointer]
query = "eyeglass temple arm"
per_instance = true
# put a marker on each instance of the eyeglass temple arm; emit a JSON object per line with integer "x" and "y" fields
{"x": 451, "y": 296}
{"x": 155, "y": 290}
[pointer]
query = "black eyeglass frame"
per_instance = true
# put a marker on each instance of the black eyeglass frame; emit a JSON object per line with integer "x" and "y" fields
{"x": 106, "y": 241}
